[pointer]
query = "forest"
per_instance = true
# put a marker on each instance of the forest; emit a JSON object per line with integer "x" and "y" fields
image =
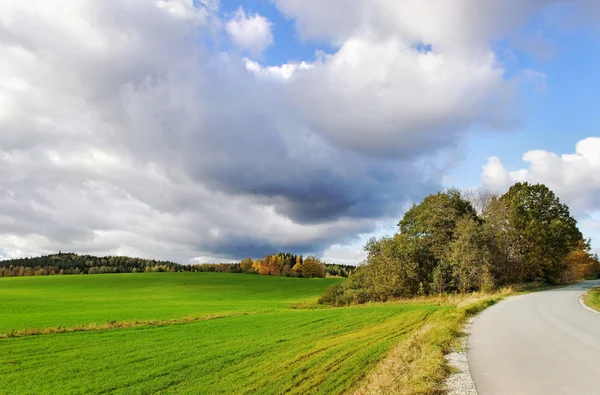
{"x": 455, "y": 242}
{"x": 280, "y": 264}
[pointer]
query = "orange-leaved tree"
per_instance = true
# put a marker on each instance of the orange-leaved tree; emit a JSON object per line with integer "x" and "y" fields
{"x": 313, "y": 267}
{"x": 581, "y": 263}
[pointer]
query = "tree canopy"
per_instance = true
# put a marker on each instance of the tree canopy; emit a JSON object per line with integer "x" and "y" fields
{"x": 445, "y": 245}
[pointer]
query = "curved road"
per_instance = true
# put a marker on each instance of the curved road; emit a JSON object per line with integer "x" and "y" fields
{"x": 538, "y": 343}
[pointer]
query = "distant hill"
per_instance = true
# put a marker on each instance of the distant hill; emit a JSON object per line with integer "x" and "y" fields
{"x": 72, "y": 263}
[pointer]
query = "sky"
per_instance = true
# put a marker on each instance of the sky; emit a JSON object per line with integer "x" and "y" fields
{"x": 208, "y": 131}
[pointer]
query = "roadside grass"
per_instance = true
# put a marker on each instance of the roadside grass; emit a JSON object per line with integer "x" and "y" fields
{"x": 417, "y": 364}
{"x": 592, "y": 299}
{"x": 221, "y": 333}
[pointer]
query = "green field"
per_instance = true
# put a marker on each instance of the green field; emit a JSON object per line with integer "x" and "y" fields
{"x": 273, "y": 349}
{"x": 50, "y": 301}
{"x": 592, "y": 299}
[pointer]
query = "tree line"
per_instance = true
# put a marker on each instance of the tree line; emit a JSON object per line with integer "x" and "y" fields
{"x": 454, "y": 242}
{"x": 71, "y": 263}
{"x": 290, "y": 265}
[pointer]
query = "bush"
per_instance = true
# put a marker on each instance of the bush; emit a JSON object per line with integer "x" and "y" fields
{"x": 333, "y": 295}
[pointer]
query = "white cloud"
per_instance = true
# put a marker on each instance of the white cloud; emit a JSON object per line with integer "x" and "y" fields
{"x": 345, "y": 254}
{"x": 386, "y": 97}
{"x": 575, "y": 178}
{"x": 282, "y": 73}
{"x": 458, "y": 26}
{"x": 121, "y": 131}
{"x": 250, "y": 32}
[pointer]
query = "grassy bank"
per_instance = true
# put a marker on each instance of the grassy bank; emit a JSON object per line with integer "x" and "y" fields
{"x": 417, "y": 365}
{"x": 218, "y": 333}
{"x": 592, "y": 299}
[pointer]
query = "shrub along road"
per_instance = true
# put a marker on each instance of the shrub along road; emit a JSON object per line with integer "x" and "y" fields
{"x": 538, "y": 343}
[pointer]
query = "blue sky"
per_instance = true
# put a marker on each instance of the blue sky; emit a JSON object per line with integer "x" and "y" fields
{"x": 223, "y": 122}
{"x": 557, "y": 117}
{"x": 289, "y": 47}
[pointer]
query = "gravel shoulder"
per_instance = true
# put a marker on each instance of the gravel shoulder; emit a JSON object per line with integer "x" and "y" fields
{"x": 460, "y": 382}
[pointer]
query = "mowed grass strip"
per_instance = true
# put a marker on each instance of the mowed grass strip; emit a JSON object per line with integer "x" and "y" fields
{"x": 297, "y": 351}
{"x": 592, "y": 299}
{"x": 68, "y": 301}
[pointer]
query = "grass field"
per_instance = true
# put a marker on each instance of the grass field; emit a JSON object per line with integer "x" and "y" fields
{"x": 50, "y": 301}
{"x": 271, "y": 349}
{"x": 592, "y": 299}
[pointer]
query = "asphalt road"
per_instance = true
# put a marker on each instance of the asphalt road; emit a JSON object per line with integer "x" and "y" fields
{"x": 539, "y": 343}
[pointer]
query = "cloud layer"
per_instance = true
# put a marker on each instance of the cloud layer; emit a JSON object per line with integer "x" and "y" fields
{"x": 123, "y": 130}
